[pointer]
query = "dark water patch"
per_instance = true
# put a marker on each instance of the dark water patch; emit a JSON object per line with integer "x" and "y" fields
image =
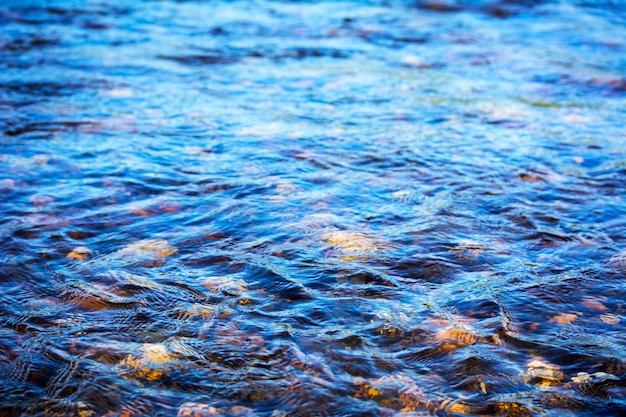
{"x": 37, "y": 15}
{"x": 28, "y": 43}
{"x": 608, "y": 86}
{"x": 44, "y": 130}
{"x": 24, "y": 92}
{"x": 498, "y": 9}
{"x": 428, "y": 268}
{"x": 228, "y": 57}
{"x": 199, "y": 60}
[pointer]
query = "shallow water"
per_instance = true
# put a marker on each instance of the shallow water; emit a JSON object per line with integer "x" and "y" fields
{"x": 274, "y": 208}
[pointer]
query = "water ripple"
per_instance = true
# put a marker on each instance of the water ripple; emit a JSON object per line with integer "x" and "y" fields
{"x": 266, "y": 208}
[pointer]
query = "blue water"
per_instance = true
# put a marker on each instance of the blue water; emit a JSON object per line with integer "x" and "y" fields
{"x": 312, "y": 208}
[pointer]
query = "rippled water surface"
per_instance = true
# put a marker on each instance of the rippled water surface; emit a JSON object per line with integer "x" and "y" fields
{"x": 314, "y": 208}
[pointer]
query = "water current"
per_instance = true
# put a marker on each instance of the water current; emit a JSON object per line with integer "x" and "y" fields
{"x": 312, "y": 208}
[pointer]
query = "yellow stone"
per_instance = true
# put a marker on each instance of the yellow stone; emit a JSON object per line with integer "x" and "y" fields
{"x": 547, "y": 373}
{"x": 160, "y": 248}
{"x": 157, "y": 353}
{"x": 610, "y": 318}
{"x": 83, "y": 410}
{"x": 350, "y": 242}
{"x": 564, "y": 318}
{"x": 156, "y": 359}
{"x": 459, "y": 409}
{"x": 79, "y": 254}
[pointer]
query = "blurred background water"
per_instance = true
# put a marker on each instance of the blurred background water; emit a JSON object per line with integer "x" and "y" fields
{"x": 312, "y": 208}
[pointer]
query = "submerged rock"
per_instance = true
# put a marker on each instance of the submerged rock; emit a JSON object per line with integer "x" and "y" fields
{"x": 619, "y": 260}
{"x": 191, "y": 409}
{"x": 610, "y": 318}
{"x": 352, "y": 245}
{"x": 147, "y": 253}
{"x": 395, "y": 391}
{"x": 80, "y": 253}
{"x": 160, "y": 248}
{"x": 155, "y": 360}
{"x": 542, "y": 373}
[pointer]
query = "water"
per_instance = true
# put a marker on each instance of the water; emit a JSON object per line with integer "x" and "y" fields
{"x": 275, "y": 208}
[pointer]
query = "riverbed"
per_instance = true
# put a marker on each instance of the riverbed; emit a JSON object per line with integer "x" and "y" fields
{"x": 312, "y": 208}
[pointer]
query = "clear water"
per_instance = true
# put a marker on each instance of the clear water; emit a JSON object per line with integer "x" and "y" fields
{"x": 314, "y": 208}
